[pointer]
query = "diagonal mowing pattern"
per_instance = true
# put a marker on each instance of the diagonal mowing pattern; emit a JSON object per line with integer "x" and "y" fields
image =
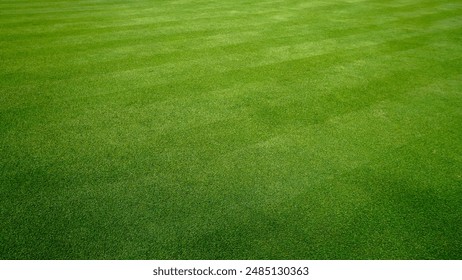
{"x": 231, "y": 129}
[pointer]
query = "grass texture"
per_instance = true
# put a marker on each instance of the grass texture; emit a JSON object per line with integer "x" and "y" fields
{"x": 231, "y": 129}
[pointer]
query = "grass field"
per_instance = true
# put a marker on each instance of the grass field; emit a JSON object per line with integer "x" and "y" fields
{"x": 228, "y": 129}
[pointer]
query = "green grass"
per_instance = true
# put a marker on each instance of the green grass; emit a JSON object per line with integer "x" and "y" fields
{"x": 253, "y": 129}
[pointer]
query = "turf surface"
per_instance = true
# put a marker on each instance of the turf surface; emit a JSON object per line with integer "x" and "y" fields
{"x": 254, "y": 129}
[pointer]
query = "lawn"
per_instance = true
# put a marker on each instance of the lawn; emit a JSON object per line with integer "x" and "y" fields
{"x": 231, "y": 129}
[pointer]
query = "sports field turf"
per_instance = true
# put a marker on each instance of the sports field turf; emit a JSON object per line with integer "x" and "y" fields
{"x": 227, "y": 129}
